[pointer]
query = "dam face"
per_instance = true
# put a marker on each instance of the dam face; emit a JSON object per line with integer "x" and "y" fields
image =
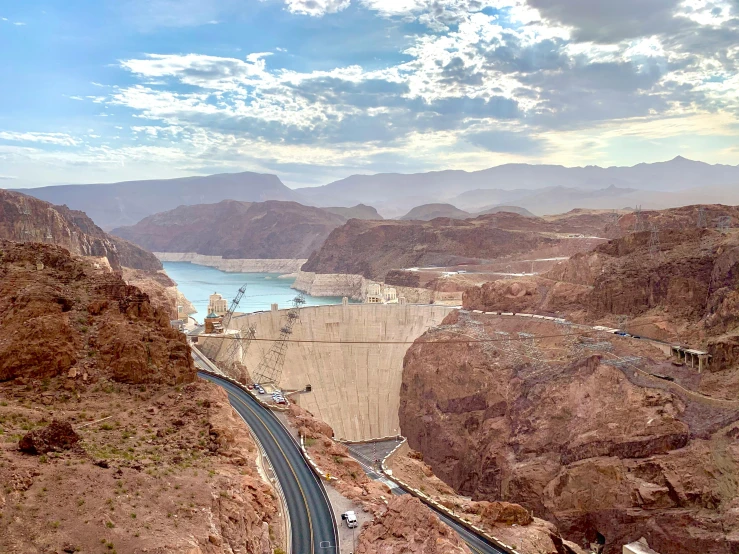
{"x": 356, "y": 387}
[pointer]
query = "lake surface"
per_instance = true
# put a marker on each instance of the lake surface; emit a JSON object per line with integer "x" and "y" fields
{"x": 198, "y": 282}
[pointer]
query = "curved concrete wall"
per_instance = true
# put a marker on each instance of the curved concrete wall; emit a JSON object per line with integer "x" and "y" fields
{"x": 356, "y": 387}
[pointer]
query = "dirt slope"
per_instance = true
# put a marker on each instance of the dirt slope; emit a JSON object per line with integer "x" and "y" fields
{"x": 234, "y": 229}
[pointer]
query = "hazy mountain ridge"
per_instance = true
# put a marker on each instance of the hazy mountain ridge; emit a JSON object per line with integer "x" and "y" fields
{"x": 126, "y": 203}
{"x": 395, "y": 194}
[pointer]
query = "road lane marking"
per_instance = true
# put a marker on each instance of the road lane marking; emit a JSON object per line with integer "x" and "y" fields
{"x": 297, "y": 481}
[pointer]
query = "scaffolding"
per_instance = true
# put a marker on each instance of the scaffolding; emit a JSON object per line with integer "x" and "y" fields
{"x": 240, "y": 344}
{"x": 232, "y": 308}
{"x": 269, "y": 369}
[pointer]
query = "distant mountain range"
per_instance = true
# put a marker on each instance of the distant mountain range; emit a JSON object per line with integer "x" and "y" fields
{"x": 541, "y": 189}
{"x": 395, "y": 194}
{"x": 117, "y": 204}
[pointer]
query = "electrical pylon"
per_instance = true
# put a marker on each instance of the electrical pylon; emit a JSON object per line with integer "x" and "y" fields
{"x": 269, "y": 369}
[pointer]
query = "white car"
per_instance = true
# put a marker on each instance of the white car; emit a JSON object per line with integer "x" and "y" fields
{"x": 351, "y": 519}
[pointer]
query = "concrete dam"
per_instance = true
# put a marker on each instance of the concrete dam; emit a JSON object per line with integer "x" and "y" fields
{"x": 355, "y": 387}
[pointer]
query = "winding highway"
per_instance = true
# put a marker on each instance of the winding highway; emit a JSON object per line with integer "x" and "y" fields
{"x": 313, "y": 527}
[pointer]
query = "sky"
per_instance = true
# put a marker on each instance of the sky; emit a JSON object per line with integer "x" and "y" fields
{"x": 316, "y": 90}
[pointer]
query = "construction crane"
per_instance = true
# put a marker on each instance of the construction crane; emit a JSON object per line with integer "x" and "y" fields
{"x": 269, "y": 369}
{"x": 232, "y": 307}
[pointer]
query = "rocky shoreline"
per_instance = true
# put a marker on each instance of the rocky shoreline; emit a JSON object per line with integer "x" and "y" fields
{"x": 236, "y": 265}
{"x": 355, "y": 287}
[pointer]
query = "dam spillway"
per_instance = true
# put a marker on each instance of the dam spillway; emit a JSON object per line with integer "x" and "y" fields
{"x": 355, "y": 387}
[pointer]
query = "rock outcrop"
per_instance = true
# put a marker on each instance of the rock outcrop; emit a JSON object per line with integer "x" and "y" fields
{"x": 57, "y": 436}
{"x": 60, "y": 314}
{"x": 236, "y": 230}
{"x": 236, "y": 265}
{"x": 599, "y": 449}
{"x": 409, "y": 527}
{"x": 27, "y": 219}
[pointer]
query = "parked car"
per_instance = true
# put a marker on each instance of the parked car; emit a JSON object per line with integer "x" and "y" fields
{"x": 350, "y": 518}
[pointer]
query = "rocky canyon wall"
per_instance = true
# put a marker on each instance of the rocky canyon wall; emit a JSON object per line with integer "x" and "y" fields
{"x": 574, "y": 434}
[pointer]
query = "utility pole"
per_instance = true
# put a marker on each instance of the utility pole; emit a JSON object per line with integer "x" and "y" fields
{"x": 723, "y": 223}
{"x": 25, "y": 220}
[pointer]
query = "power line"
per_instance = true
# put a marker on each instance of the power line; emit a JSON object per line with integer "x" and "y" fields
{"x": 528, "y": 337}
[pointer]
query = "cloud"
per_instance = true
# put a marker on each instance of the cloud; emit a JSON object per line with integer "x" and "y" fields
{"x": 60, "y": 139}
{"x": 19, "y": 24}
{"x": 468, "y": 83}
{"x": 316, "y": 7}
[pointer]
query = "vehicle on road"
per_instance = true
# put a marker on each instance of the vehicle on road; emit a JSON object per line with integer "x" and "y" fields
{"x": 350, "y": 518}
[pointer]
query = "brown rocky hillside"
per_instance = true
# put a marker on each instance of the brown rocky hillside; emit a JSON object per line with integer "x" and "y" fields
{"x": 234, "y": 229}
{"x": 373, "y": 248}
{"x": 603, "y": 451}
{"x": 61, "y": 315}
{"x": 108, "y": 442}
{"x": 27, "y": 219}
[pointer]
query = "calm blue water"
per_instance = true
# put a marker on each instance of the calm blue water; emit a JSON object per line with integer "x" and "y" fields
{"x": 198, "y": 282}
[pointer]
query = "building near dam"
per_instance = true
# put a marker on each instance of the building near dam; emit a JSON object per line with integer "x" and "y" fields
{"x": 350, "y": 354}
{"x": 217, "y": 304}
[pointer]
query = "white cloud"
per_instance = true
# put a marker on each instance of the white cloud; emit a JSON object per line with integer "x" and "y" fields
{"x": 712, "y": 13}
{"x": 60, "y": 139}
{"x": 316, "y": 7}
{"x": 19, "y": 23}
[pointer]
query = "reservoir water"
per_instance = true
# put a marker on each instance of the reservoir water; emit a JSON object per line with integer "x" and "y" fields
{"x": 198, "y": 282}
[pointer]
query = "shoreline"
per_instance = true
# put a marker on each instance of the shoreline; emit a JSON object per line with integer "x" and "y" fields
{"x": 236, "y": 265}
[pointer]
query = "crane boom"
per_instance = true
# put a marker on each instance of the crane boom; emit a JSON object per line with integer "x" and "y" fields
{"x": 232, "y": 307}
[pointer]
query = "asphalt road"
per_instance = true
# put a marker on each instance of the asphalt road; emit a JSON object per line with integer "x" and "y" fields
{"x": 477, "y": 544}
{"x": 311, "y": 518}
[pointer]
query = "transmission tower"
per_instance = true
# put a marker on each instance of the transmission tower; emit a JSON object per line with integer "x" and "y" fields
{"x": 269, "y": 369}
{"x": 25, "y": 220}
{"x": 723, "y": 223}
{"x": 654, "y": 242}
{"x": 242, "y": 342}
{"x": 232, "y": 308}
{"x": 639, "y": 223}
{"x": 702, "y": 218}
